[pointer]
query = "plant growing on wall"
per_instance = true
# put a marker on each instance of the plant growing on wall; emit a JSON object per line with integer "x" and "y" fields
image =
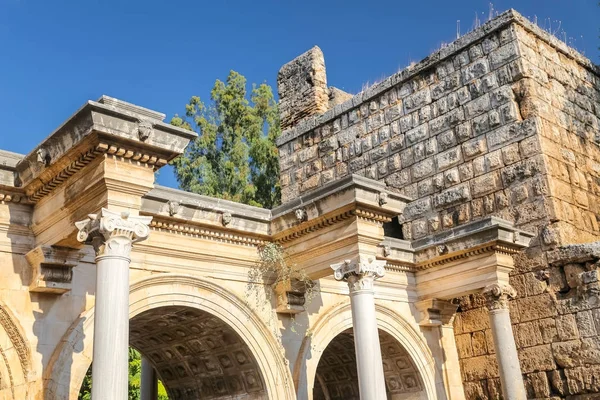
{"x": 274, "y": 272}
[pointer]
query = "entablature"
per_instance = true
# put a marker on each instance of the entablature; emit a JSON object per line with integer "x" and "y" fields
{"x": 108, "y": 127}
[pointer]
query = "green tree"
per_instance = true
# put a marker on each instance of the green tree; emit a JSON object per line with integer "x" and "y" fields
{"x": 135, "y": 376}
{"x": 234, "y": 156}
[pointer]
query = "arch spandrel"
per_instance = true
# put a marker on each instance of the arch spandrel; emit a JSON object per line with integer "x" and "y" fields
{"x": 338, "y": 320}
{"x": 168, "y": 290}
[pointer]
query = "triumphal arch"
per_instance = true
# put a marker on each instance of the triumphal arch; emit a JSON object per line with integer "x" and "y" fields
{"x": 446, "y": 214}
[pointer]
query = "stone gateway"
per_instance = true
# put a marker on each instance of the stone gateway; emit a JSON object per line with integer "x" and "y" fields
{"x": 447, "y": 214}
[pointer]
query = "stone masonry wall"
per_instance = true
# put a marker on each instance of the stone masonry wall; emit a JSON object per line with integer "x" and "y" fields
{"x": 504, "y": 122}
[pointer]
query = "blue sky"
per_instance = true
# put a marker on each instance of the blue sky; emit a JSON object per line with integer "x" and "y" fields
{"x": 56, "y": 54}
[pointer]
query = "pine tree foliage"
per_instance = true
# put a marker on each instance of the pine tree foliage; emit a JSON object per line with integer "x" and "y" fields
{"x": 234, "y": 156}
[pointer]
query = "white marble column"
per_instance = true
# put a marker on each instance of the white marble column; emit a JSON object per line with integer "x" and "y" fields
{"x": 112, "y": 235}
{"x": 511, "y": 378}
{"x": 360, "y": 275}
{"x": 149, "y": 382}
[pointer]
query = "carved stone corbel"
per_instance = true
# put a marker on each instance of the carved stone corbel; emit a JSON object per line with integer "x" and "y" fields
{"x": 290, "y": 297}
{"x": 436, "y": 312}
{"x": 52, "y": 268}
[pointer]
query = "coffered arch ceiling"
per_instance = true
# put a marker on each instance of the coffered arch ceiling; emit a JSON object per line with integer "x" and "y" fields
{"x": 337, "y": 376}
{"x": 196, "y": 354}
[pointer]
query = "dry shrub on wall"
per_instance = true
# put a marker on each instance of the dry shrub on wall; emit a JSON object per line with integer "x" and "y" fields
{"x": 272, "y": 269}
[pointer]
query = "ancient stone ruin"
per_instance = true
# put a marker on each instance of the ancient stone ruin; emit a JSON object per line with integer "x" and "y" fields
{"x": 503, "y": 122}
{"x": 448, "y": 216}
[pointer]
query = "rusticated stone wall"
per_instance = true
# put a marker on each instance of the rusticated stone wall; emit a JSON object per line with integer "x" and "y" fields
{"x": 505, "y": 122}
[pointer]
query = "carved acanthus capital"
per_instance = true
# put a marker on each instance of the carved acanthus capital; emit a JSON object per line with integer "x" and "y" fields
{"x": 112, "y": 233}
{"x": 497, "y": 295}
{"x": 360, "y": 273}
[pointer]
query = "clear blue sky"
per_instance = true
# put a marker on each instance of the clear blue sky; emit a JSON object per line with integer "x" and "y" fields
{"x": 56, "y": 54}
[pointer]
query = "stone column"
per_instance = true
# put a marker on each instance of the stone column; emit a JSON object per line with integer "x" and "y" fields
{"x": 511, "y": 378}
{"x": 149, "y": 382}
{"x": 112, "y": 235}
{"x": 360, "y": 275}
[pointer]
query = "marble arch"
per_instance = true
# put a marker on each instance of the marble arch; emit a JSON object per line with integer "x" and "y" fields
{"x": 173, "y": 290}
{"x": 337, "y": 320}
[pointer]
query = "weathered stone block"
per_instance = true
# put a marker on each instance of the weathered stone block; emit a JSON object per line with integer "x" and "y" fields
{"x": 537, "y": 358}
{"x": 423, "y": 169}
{"x": 536, "y": 307}
{"x": 477, "y": 368}
{"x": 474, "y": 147}
{"x": 417, "y": 134}
{"x": 485, "y": 184}
{"x": 455, "y": 195}
{"x": 478, "y": 106}
{"x": 475, "y": 70}
{"x": 449, "y": 159}
{"x": 417, "y": 100}
{"x": 463, "y": 345}
{"x": 503, "y": 55}
{"x": 479, "y": 344}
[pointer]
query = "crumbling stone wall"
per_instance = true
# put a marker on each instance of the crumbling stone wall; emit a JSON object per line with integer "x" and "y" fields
{"x": 504, "y": 122}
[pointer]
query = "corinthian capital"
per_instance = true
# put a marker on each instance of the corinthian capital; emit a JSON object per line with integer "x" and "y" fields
{"x": 497, "y": 295}
{"x": 359, "y": 272}
{"x": 113, "y": 233}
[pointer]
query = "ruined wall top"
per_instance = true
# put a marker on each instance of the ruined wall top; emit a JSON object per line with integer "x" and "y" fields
{"x": 505, "y": 122}
{"x": 301, "y": 110}
{"x": 302, "y": 86}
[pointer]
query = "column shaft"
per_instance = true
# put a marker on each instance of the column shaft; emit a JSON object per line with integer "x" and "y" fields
{"x": 112, "y": 235}
{"x": 511, "y": 377}
{"x": 149, "y": 382}
{"x": 371, "y": 381}
{"x": 110, "y": 366}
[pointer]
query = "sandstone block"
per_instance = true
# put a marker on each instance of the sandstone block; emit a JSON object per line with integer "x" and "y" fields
{"x": 566, "y": 326}
{"x": 475, "y": 320}
{"x": 586, "y": 325}
{"x": 446, "y": 140}
{"x": 479, "y": 343}
{"x": 463, "y": 345}
{"x": 539, "y": 384}
{"x": 536, "y": 307}
{"x": 537, "y": 358}
{"x": 478, "y": 368}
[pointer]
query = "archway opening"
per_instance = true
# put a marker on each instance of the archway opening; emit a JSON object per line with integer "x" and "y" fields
{"x": 196, "y": 355}
{"x": 337, "y": 379}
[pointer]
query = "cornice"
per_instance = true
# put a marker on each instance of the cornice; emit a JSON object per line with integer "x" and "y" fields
{"x": 41, "y": 188}
{"x": 10, "y": 194}
{"x": 492, "y": 247}
{"x": 206, "y": 233}
{"x": 314, "y": 225}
